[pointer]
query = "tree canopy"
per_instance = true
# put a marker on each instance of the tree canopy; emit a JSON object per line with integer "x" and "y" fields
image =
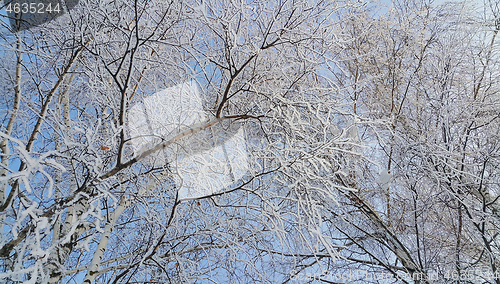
{"x": 223, "y": 141}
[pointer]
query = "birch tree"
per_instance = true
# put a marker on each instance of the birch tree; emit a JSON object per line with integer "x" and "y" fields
{"x": 79, "y": 205}
{"x": 370, "y": 142}
{"x": 418, "y": 80}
